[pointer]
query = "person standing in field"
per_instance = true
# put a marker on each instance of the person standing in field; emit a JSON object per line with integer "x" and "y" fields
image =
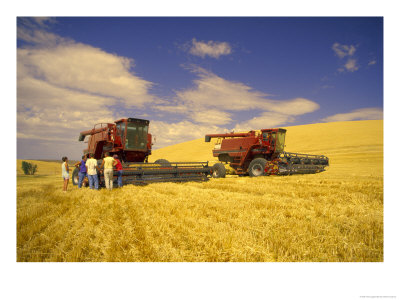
{"x": 118, "y": 167}
{"x": 65, "y": 173}
{"x": 92, "y": 168}
{"x": 108, "y": 164}
{"x": 82, "y": 170}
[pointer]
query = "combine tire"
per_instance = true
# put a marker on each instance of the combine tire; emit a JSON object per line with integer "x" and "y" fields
{"x": 75, "y": 176}
{"x": 219, "y": 170}
{"x": 257, "y": 167}
{"x": 163, "y": 162}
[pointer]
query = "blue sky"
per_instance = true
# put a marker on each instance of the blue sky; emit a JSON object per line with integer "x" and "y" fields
{"x": 191, "y": 76}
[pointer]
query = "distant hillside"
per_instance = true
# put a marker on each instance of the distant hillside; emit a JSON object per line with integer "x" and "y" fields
{"x": 44, "y": 167}
{"x": 340, "y": 141}
{"x": 336, "y": 137}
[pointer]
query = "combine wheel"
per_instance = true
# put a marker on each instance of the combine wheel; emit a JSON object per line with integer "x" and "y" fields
{"x": 257, "y": 167}
{"x": 163, "y": 162}
{"x": 75, "y": 176}
{"x": 219, "y": 170}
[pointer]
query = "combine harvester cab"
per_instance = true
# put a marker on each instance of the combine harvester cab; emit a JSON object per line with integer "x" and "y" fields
{"x": 130, "y": 140}
{"x": 258, "y": 153}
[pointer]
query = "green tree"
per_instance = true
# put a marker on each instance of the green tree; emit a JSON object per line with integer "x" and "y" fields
{"x": 28, "y": 168}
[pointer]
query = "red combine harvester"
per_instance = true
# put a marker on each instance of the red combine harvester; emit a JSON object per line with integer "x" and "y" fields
{"x": 262, "y": 153}
{"x": 130, "y": 140}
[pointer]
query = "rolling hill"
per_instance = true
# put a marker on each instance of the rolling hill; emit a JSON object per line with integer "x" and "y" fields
{"x": 344, "y": 143}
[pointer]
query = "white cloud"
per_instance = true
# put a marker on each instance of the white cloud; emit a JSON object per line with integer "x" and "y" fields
{"x": 174, "y": 108}
{"x": 372, "y": 113}
{"x": 35, "y": 22}
{"x": 33, "y": 30}
{"x": 265, "y": 120}
{"x": 295, "y": 107}
{"x": 214, "y": 92}
{"x": 179, "y": 132}
{"x": 77, "y": 81}
{"x": 64, "y": 87}
{"x": 214, "y": 101}
{"x": 39, "y": 37}
{"x": 211, "y": 48}
{"x": 351, "y": 65}
{"x": 36, "y": 95}
{"x": 212, "y": 116}
{"x": 86, "y": 69}
{"x": 343, "y": 50}
{"x": 348, "y": 51}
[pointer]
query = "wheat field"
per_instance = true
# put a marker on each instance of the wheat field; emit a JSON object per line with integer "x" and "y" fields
{"x": 334, "y": 216}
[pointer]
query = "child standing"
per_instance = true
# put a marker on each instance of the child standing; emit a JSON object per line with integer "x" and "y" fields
{"x": 65, "y": 173}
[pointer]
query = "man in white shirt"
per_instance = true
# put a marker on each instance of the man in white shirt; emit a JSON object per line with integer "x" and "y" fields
{"x": 108, "y": 164}
{"x": 92, "y": 168}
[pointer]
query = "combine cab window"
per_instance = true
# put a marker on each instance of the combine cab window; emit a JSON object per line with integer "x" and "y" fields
{"x": 273, "y": 139}
{"x": 122, "y": 131}
{"x": 264, "y": 136}
{"x": 280, "y": 142}
{"x": 267, "y": 136}
{"x": 136, "y": 136}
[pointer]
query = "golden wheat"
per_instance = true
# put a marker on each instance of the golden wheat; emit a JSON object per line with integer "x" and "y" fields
{"x": 332, "y": 216}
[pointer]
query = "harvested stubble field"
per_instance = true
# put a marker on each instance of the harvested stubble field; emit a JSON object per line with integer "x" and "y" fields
{"x": 332, "y": 216}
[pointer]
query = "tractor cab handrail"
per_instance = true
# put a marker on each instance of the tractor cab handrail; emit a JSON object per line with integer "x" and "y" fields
{"x": 101, "y": 125}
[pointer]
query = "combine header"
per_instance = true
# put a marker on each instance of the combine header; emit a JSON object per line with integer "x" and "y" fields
{"x": 262, "y": 153}
{"x": 130, "y": 140}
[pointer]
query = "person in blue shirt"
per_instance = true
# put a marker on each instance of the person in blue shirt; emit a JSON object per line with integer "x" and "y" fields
{"x": 82, "y": 170}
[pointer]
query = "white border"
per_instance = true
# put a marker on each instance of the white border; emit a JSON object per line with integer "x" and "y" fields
{"x": 201, "y": 280}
